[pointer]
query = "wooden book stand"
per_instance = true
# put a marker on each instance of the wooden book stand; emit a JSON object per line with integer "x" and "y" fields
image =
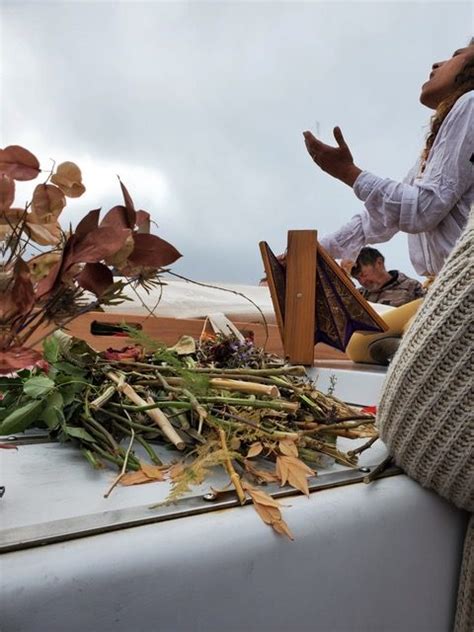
{"x": 313, "y": 299}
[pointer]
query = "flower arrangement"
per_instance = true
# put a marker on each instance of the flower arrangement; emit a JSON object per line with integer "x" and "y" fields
{"x": 48, "y": 275}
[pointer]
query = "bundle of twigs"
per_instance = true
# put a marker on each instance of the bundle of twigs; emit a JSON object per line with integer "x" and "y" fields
{"x": 261, "y": 424}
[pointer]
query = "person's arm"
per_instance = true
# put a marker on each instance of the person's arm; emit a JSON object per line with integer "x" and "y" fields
{"x": 347, "y": 241}
{"x": 421, "y": 206}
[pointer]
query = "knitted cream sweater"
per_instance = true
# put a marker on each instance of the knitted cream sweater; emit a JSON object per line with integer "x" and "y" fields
{"x": 426, "y": 414}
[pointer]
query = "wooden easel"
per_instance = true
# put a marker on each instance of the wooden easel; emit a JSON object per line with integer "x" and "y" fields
{"x": 313, "y": 299}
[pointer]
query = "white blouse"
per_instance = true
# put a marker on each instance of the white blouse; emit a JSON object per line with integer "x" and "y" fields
{"x": 432, "y": 208}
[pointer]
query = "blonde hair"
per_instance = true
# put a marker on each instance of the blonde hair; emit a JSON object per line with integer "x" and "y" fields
{"x": 464, "y": 82}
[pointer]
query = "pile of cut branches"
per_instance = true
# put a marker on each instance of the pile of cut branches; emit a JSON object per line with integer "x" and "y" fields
{"x": 261, "y": 420}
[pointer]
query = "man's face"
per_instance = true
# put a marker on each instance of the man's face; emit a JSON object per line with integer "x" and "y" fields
{"x": 369, "y": 275}
{"x": 441, "y": 81}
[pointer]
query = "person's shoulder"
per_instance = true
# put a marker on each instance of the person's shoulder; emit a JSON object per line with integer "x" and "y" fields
{"x": 463, "y": 106}
{"x": 466, "y": 98}
{"x": 403, "y": 279}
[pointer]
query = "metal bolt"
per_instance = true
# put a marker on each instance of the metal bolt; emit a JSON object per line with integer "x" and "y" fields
{"x": 210, "y": 496}
{"x": 364, "y": 470}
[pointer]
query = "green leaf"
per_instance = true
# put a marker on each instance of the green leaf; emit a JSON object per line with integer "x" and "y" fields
{"x": 7, "y": 383}
{"x": 51, "y": 349}
{"x": 53, "y": 414}
{"x": 68, "y": 393}
{"x": 38, "y": 386}
{"x": 21, "y": 418}
{"x": 78, "y": 433}
{"x": 69, "y": 370}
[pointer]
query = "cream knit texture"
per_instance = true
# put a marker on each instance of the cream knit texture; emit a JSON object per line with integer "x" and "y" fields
{"x": 426, "y": 415}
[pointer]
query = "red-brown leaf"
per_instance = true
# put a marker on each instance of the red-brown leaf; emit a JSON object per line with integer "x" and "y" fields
{"x": 97, "y": 245}
{"x": 49, "y": 282}
{"x": 18, "y": 163}
{"x": 17, "y": 358}
{"x": 47, "y": 202}
{"x": 95, "y": 277}
{"x": 19, "y": 297}
{"x": 130, "y": 208}
{"x": 117, "y": 216}
{"x": 10, "y": 219}
{"x": 88, "y": 222}
{"x": 7, "y": 192}
{"x": 143, "y": 221}
{"x": 126, "y": 353}
{"x": 152, "y": 251}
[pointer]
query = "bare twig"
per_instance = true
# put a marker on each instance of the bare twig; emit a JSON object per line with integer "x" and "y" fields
{"x": 124, "y": 466}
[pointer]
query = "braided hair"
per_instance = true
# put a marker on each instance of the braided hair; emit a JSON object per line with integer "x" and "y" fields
{"x": 464, "y": 82}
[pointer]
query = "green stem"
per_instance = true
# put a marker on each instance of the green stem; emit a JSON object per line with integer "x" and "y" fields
{"x": 151, "y": 453}
{"x": 133, "y": 424}
{"x": 117, "y": 460}
{"x": 105, "y": 433}
{"x": 91, "y": 458}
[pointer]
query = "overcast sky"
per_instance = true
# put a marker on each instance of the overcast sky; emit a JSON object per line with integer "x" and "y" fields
{"x": 200, "y": 108}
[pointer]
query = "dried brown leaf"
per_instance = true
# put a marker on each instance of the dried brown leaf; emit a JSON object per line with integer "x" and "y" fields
{"x": 293, "y": 470}
{"x": 288, "y": 447}
{"x": 47, "y": 203}
{"x": 41, "y": 265}
{"x": 146, "y": 474}
{"x": 18, "y": 163}
{"x": 268, "y": 509}
{"x": 175, "y": 471}
{"x": 254, "y": 450}
{"x": 10, "y": 219}
{"x": 186, "y": 345}
{"x": 262, "y": 475}
{"x": 68, "y": 178}
{"x": 42, "y": 234}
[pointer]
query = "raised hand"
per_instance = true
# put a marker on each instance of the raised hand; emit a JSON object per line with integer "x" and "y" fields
{"x": 337, "y": 161}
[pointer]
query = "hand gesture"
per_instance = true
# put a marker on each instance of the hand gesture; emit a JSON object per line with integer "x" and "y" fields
{"x": 337, "y": 161}
{"x": 347, "y": 265}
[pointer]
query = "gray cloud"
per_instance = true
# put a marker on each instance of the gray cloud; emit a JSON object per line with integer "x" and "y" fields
{"x": 201, "y": 106}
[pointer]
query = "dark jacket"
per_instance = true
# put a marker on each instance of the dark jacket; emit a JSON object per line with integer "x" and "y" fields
{"x": 398, "y": 291}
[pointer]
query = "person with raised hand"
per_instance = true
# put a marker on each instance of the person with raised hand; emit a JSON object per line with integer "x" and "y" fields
{"x": 433, "y": 202}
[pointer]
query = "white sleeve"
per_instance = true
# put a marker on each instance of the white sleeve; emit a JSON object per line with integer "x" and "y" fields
{"x": 421, "y": 206}
{"x": 361, "y": 230}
